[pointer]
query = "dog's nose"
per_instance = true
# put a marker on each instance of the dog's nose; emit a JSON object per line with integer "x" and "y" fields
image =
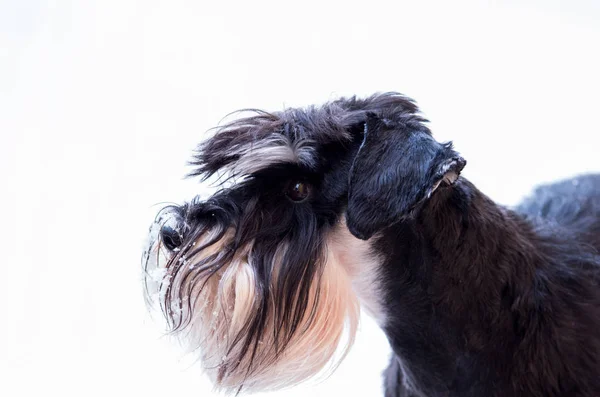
{"x": 170, "y": 237}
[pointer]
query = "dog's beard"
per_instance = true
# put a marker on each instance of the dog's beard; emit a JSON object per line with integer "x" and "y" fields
{"x": 260, "y": 319}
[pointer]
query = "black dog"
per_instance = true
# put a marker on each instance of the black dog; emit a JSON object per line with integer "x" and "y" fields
{"x": 323, "y": 208}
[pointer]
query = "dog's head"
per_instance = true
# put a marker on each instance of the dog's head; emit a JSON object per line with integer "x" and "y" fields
{"x": 265, "y": 277}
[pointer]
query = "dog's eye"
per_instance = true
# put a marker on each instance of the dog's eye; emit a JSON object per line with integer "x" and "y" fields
{"x": 297, "y": 191}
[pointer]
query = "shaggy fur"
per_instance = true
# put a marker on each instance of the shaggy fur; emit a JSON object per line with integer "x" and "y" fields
{"x": 354, "y": 202}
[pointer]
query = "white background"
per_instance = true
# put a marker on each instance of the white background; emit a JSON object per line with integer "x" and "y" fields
{"x": 102, "y": 102}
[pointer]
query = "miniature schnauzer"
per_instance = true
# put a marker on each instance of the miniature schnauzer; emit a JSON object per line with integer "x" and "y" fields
{"x": 323, "y": 210}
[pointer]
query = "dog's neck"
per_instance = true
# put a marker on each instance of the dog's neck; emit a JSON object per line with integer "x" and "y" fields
{"x": 450, "y": 278}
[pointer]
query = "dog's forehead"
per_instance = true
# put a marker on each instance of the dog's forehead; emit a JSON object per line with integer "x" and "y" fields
{"x": 262, "y": 139}
{"x": 296, "y": 135}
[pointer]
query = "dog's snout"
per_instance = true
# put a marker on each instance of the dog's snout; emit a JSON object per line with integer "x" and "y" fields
{"x": 170, "y": 237}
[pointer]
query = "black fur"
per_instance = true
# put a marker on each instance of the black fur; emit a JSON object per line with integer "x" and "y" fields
{"x": 485, "y": 301}
{"x": 480, "y": 300}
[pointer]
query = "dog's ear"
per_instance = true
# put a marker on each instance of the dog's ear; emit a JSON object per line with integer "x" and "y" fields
{"x": 398, "y": 166}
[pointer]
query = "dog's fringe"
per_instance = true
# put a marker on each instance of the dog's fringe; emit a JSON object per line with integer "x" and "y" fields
{"x": 328, "y": 123}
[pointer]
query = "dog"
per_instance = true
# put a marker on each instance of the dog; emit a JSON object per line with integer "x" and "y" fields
{"x": 325, "y": 210}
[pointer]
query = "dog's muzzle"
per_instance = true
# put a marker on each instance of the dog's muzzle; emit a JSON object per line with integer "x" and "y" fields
{"x": 222, "y": 296}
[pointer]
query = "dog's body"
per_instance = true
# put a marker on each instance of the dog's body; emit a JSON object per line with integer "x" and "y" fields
{"x": 491, "y": 302}
{"x": 354, "y": 202}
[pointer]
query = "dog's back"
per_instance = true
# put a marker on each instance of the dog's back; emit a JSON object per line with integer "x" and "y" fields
{"x": 573, "y": 203}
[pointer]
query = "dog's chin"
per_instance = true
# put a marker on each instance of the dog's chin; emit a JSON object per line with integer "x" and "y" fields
{"x": 212, "y": 313}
